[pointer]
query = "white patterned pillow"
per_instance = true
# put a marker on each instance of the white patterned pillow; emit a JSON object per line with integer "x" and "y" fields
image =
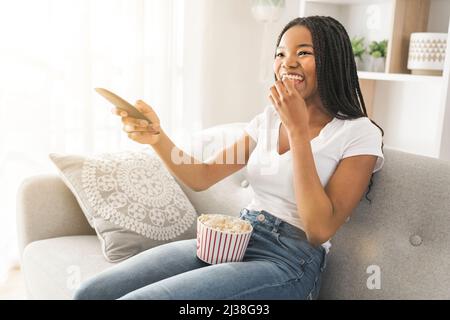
{"x": 130, "y": 199}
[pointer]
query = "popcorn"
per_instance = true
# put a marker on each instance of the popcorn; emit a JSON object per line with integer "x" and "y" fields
{"x": 225, "y": 223}
{"x": 222, "y": 238}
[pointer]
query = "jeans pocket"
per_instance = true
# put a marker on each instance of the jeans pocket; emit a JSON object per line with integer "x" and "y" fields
{"x": 295, "y": 246}
{"x": 280, "y": 241}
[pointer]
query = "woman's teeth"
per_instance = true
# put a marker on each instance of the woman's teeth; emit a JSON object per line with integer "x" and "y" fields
{"x": 292, "y": 77}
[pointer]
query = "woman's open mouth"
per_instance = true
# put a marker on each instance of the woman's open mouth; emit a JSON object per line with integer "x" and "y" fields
{"x": 298, "y": 79}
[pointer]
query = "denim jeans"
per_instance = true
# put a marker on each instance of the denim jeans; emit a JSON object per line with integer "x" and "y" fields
{"x": 279, "y": 264}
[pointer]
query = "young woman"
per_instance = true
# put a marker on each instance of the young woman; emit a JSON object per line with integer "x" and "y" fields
{"x": 326, "y": 150}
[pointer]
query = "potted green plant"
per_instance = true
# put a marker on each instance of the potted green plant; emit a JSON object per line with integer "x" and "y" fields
{"x": 358, "y": 50}
{"x": 378, "y": 51}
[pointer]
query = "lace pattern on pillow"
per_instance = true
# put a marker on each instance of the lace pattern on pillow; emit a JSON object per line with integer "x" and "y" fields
{"x": 134, "y": 190}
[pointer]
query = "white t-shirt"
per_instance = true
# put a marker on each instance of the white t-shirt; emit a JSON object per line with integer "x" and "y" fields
{"x": 271, "y": 174}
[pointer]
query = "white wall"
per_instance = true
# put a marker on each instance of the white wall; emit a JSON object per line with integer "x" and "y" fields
{"x": 229, "y": 90}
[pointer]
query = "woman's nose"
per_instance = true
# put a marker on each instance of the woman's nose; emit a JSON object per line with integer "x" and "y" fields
{"x": 291, "y": 63}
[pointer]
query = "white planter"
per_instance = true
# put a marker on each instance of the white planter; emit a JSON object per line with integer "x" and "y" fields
{"x": 427, "y": 53}
{"x": 377, "y": 64}
{"x": 267, "y": 10}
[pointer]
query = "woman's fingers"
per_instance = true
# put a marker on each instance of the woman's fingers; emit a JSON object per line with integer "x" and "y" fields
{"x": 119, "y": 112}
{"x": 273, "y": 101}
{"x": 129, "y": 120}
{"x": 147, "y": 111}
{"x": 134, "y": 121}
{"x": 274, "y": 95}
{"x": 281, "y": 89}
{"x": 141, "y": 106}
{"x": 289, "y": 86}
{"x": 138, "y": 130}
{"x": 135, "y": 128}
{"x": 144, "y": 137}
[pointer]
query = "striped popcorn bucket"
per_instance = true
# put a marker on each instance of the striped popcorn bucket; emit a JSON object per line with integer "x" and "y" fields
{"x": 215, "y": 246}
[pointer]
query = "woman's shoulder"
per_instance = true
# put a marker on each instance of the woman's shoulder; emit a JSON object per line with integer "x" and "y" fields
{"x": 360, "y": 125}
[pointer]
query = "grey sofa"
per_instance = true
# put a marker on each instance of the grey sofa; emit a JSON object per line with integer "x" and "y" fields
{"x": 397, "y": 247}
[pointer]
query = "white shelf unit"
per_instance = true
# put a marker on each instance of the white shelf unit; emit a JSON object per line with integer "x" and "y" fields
{"x": 383, "y": 76}
{"x": 413, "y": 110}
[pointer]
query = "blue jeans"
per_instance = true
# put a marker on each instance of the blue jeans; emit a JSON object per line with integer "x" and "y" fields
{"x": 279, "y": 264}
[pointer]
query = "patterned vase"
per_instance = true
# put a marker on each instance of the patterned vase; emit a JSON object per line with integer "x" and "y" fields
{"x": 427, "y": 53}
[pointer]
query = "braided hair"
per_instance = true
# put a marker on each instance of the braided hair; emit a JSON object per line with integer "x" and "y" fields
{"x": 337, "y": 77}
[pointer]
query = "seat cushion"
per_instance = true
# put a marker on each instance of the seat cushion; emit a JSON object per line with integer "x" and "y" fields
{"x": 54, "y": 268}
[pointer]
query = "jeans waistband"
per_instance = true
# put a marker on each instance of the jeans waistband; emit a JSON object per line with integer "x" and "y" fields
{"x": 274, "y": 223}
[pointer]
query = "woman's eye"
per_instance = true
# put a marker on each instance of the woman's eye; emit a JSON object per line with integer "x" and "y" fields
{"x": 301, "y": 53}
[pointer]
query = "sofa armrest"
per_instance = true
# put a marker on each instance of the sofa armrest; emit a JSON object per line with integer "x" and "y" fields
{"x": 46, "y": 208}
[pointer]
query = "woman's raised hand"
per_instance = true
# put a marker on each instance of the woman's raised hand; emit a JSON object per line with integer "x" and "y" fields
{"x": 141, "y": 131}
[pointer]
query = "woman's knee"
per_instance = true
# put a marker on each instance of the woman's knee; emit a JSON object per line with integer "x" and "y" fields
{"x": 92, "y": 289}
{"x": 84, "y": 292}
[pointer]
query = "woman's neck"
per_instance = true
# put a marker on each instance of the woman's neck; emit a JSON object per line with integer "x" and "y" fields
{"x": 317, "y": 115}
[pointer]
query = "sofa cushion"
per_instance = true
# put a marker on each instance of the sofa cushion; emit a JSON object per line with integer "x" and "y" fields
{"x": 130, "y": 199}
{"x": 54, "y": 268}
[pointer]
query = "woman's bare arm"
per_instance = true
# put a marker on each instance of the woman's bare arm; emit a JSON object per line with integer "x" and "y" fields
{"x": 195, "y": 174}
{"x": 199, "y": 175}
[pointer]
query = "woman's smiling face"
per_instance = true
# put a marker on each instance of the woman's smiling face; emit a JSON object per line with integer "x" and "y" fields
{"x": 295, "y": 59}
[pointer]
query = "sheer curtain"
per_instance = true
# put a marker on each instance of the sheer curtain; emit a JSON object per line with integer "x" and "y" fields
{"x": 53, "y": 53}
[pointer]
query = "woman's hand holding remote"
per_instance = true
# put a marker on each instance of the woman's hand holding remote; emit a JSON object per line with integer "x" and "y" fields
{"x": 141, "y": 131}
